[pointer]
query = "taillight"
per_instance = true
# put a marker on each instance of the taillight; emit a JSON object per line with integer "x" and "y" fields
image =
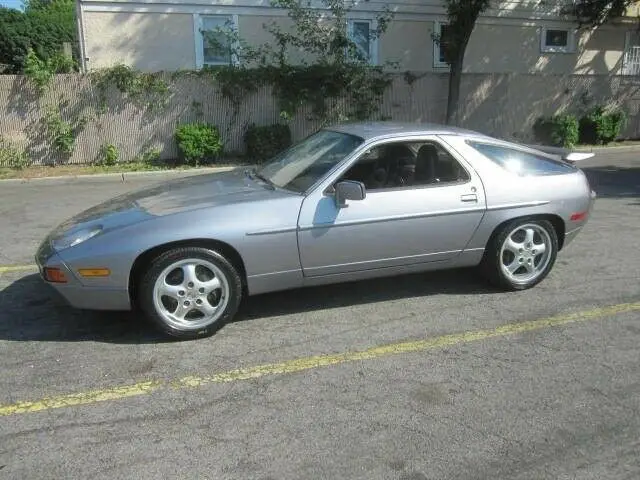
{"x": 579, "y": 216}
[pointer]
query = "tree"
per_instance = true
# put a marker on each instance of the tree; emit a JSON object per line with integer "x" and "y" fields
{"x": 462, "y": 15}
{"x": 44, "y": 26}
{"x": 333, "y": 64}
{"x": 591, "y": 13}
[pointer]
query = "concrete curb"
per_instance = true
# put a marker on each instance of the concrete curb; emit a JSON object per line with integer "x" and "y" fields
{"x": 616, "y": 149}
{"x": 122, "y": 176}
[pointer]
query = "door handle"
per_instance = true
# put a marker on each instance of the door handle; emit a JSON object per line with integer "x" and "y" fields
{"x": 472, "y": 197}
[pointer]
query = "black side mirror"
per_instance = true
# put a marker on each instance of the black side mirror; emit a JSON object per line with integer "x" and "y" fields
{"x": 349, "y": 190}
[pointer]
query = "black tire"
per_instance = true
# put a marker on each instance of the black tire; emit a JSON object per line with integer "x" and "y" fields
{"x": 156, "y": 266}
{"x": 490, "y": 266}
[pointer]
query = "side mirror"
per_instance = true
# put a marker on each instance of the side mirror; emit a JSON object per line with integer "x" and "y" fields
{"x": 349, "y": 190}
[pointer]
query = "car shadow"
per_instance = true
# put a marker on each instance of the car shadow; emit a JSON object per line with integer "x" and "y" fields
{"x": 32, "y": 311}
{"x": 612, "y": 181}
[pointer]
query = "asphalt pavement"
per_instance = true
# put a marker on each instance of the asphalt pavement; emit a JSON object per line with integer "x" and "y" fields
{"x": 432, "y": 376}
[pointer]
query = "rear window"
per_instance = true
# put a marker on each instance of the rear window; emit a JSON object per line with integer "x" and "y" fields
{"x": 521, "y": 163}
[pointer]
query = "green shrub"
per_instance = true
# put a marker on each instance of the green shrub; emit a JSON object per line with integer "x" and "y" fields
{"x": 558, "y": 130}
{"x": 599, "y": 127}
{"x": 265, "y": 142}
{"x": 198, "y": 143}
{"x": 61, "y": 132}
{"x": 149, "y": 157}
{"x": 109, "y": 154}
{"x": 12, "y": 157}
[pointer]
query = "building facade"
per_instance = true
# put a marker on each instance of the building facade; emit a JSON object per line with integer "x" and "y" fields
{"x": 514, "y": 36}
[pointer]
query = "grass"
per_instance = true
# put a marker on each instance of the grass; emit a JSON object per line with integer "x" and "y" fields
{"x": 40, "y": 171}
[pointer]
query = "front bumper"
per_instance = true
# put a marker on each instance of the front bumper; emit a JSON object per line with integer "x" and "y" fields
{"x": 74, "y": 292}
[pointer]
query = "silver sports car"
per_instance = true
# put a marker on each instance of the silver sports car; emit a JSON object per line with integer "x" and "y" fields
{"x": 349, "y": 202}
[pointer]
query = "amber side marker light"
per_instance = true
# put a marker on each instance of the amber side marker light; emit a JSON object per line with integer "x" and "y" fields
{"x": 94, "y": 272}
{"x": 54, "y": 275}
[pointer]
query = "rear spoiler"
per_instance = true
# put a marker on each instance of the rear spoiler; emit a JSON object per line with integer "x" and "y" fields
{"x": 563, "y": 153}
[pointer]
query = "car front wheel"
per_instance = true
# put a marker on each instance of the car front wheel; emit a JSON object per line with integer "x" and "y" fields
{"x": 190, "y": 292}
{"x": 521, "y": 255}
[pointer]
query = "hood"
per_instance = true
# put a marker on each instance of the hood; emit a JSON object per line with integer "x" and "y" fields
{"x": 174, "y": 196}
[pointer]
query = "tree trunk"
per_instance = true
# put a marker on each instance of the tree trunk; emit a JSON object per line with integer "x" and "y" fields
{"x": 455, "y": 78}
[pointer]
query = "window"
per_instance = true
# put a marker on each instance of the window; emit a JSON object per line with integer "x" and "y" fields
{"x": 557, "y": 40}
{"x": 521, "y": 163}
{"x": 360, "y": 32}
{"x": 302, "y": 165}
{"x": 405, "y": 164}
{"x": 631, "y": 59}
{"x": 213, "y": 39}
{"x": 441, "y": 34}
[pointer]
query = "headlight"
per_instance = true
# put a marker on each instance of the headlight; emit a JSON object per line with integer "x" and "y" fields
{"x": 74, "y": 238}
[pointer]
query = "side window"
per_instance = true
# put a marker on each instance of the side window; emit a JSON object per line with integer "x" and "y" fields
{"x": 404, "y": 164}
{"x": 521, "y": 163}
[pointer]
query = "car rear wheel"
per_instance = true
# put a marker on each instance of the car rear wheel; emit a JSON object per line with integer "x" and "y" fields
{"x": 521, "y": 255}
{"x": 190, "y": 292}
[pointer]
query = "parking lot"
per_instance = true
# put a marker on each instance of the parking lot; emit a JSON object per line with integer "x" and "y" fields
{"x": 432, "y": 376}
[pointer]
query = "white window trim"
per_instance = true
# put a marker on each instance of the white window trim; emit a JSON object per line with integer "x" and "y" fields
{"x": 198, "y": 38}
{"x": 626, "y": 68}
{"x": 373, "y": 41}
{"x": 437, "y": 30}
{"x": 571, "y": 41}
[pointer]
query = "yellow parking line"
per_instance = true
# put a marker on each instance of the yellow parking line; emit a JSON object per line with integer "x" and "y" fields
{"x": 17, "y": 268}
{"x": 308, "y": 363}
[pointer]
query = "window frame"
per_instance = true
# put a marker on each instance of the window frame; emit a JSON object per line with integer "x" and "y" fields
{"x": 626, "y": 68}
{"x": 571, "y": 40}
{"x": 199, "y": 38}
{"x": 373, "y": 40}
{"x": 417, "y": 140}
{"x": 437, "y": 30}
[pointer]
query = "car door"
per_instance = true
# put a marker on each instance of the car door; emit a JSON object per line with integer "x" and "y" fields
{"x": 430, "y": 216}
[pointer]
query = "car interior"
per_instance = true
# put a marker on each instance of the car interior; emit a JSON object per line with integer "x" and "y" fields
{"x": 397, "y": 165}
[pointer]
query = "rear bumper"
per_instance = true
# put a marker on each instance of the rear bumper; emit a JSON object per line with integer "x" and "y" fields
{"x": 575, "y": 230}
{"x": 76, "y": 294}
{"x": 570, "y": 236}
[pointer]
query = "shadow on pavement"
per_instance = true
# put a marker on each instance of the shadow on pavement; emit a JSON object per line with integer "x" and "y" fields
{"x": 32, "y": 311}
{"x": 614, "y": 181}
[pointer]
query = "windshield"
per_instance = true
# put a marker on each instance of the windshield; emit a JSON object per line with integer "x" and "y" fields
{"x": 306, "y": 162}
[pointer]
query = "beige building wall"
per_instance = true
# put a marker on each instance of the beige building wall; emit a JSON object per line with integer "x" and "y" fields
{"x": 516, "y": 49}
{"x": 146, "y": 41}
{"x": 251, "y": 29}
{"x": 165, "y": 41}
{"x": 409, "y": 43}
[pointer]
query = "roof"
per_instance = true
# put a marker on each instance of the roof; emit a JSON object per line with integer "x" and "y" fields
{"x": 368, "y": 130}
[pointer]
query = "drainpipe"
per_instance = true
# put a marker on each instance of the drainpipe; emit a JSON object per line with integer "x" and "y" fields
{"x": 81, "y": 44}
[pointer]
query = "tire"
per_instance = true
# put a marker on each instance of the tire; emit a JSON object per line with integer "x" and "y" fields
{"x": 503, "y": 256}
{"x": 204, "y": 286}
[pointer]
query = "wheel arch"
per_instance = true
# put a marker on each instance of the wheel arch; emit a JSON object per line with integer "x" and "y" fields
{"x": 555, "y": 220}
{"x": 143, "y": 259}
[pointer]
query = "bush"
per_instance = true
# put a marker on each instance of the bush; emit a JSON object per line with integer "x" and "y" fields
{"x": 13, "y": 157}
{"x": 198, "y": 143}
{"x": 598, "y": 127}
{"x": 558, "y": 130}
{"x": 108, "y": 155}
{"x": 61, "y": 132}
{"x": 149, "y": 157}
{"x": 265, "y": 142}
